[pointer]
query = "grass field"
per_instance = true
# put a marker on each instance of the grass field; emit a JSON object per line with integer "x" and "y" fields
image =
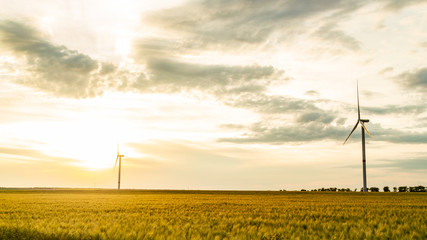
{"x": 137, "y": 214}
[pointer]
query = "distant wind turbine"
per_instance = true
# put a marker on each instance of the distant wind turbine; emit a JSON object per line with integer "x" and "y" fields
{"x": 119, "y": 158}
{"x": 362, "y": 126}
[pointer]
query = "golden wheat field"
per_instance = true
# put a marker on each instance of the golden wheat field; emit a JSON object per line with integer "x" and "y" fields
{"x": 143, "y": 214}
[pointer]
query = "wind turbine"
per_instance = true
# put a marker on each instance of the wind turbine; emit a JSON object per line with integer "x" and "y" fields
{"x": 363, "y": 128}
{"x": 119, "y": 158}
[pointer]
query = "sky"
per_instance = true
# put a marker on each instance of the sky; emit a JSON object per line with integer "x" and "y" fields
{"x": 200, "y": 94}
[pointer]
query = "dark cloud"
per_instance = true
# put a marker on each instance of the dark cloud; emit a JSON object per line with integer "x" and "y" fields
{"x": 312, "y": 123}
{"x": 54, "y": 68}
{"x": 330, "y": 33}
{"x": 273, "y": 104}
{"x": 156, "y": 47}
{"x": 407, "y": 164}
{"x": 312, "y": 93}
{"x": 167, "y": 72}
{"x": 414, "y": 80}
{"x": 300, "y": 132}
{"x": 107, "y": 68}
{"x": 422, "y": 122}
{"x": 232, "y": 126}
{"x": 392, "y": 135}
{"x": 340, "y": 121}
{"x": 398, "y": 136}
{"x": 398, "y": 4}
{"x": 239, "y": 24}
{"x": 319, "y": 116}
{"x": 396, "y": 109}
{"x": 169, "y": 75}
{"x": 417, "y": 163}
{"x": 297, "y": 133}
{"x": 68, "y": 73}
{"x": 386, "y": 70}
{"x": 232, "y": 23}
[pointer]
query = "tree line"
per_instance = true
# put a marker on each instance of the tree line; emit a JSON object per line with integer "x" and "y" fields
{"x": 371, "y": 189}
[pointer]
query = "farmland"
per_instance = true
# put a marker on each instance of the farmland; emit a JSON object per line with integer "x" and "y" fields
{"x": 144, "y": 214}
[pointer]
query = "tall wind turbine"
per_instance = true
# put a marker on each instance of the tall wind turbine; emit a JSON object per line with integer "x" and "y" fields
{"x": 119, "y": 158}
{"x": 363, "y": 128}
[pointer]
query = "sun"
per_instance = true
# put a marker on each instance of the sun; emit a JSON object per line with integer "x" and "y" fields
{"x": 96, "y": 155}
{"x": 92, "y": 144}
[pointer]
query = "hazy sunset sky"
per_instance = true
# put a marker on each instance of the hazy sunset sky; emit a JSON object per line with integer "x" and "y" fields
{"x": 212, "y": 94}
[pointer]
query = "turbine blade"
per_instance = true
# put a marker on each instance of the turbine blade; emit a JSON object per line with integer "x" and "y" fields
{"x": 117, "y": 149}
{"x": 358, "y": 107}
{"x": 355, "y": 126}
{"x": 116, "y": 161}
{"x": 363, "y": 125}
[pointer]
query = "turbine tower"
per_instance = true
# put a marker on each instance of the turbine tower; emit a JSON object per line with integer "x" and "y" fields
{"x": 119, "y": 158}
{"x": 363, "y": 128}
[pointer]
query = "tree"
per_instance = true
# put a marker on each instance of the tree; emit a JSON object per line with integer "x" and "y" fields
{"x": 417, "y": 189}
{"x": 374, "y": 189}
{"x": 403, "y": 189}
{"x": 420, "y": 188}
{"x": 386, "y": 189}
{"x": 394, "y": 189}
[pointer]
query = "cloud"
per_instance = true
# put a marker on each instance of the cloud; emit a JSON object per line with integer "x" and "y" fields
{"x": 51, "y": 67}
{"x": 309, "y": 129}
{"x": 68, "y": 73}
{"x": 397, "y": 4}
{"x": 236, "y": 23}
{"x": 422, "y": 122}
{"x": 293, "y": 120}
{"x": 232, "y": 126}
{"x": 313, "y": 131}
{"x": 312, "y": 93}
{"x": 29, "y": 155}
{"x": 273, "y": 104}
{"x": 417, "y": 163}
{"x": 398, "y": 136}
{"x": 396, "y": 109}
{"x": 156, "y": 47}
{"x": 386, "y": 70}
{"x": 330, "y": 33}
{"x": 239, "y": 24}
{"x": 322, "y": 117}
{"x": 414, "y": 80}
{"x": 171, "y": 75}
{"x": 107, "y": 68}
{"x": 165, "y": 71}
